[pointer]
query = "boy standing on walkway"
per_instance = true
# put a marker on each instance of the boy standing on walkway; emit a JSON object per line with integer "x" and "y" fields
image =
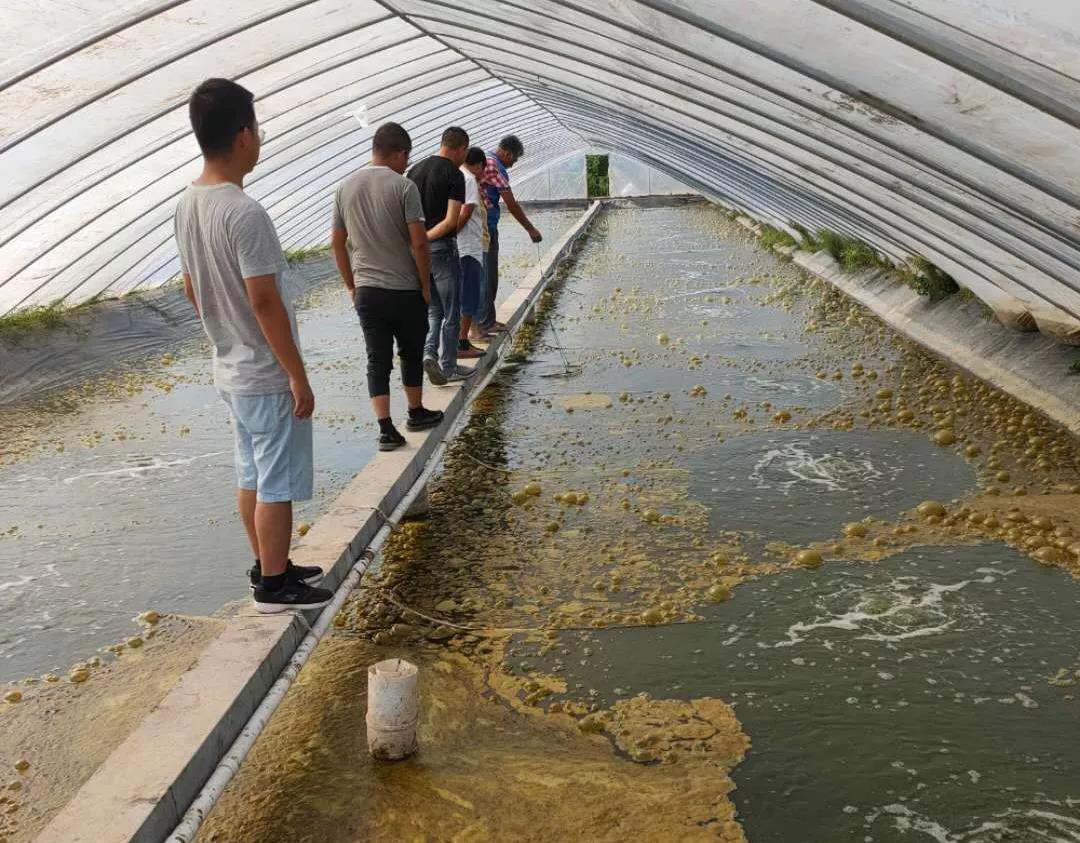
{"x": 233, "y": 270}
{"x": 378, "y": 213}
{"x": 472, "y": 245}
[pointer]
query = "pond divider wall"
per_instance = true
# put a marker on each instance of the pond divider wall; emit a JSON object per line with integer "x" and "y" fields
{"x": 1029, "y": 366}
{"x": 141, "y": 791}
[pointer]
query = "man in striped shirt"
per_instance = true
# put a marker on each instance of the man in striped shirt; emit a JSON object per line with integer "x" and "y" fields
{"x": 495, "y": 184}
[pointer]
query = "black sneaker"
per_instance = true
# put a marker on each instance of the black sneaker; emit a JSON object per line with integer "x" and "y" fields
{"x": 434, "y": 373}
{"x": 391, "y": 440}
{"x": 292, "y": 595}
{"x": 307, "y": 574}
{"x": 422, "y": 418}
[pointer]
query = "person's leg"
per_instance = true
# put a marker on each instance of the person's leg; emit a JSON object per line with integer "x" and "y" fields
{"x": 492, "y": 267}
{"x": 446, "y": 281}
{"x": 409, "y": 329}
{"x": 246, "y": 475}
{"x": 435, "y": 314}
{"x": 471, "y": 270}
{"x": 282, "y": 447}
{"x": 245, "y": 503}
{"x": 377, "y": 325}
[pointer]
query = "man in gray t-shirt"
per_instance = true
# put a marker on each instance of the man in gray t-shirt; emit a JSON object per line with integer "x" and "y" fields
{"x": 234, "y": 271}
{"x": 379, "y": 218}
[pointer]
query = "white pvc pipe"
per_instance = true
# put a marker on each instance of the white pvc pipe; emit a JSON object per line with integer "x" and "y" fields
{"x": 393, "y": 708}
{"x": 200, "y": 808}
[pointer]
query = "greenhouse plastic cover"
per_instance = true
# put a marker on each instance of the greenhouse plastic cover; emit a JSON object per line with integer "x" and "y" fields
{"x": 943, "y": 128}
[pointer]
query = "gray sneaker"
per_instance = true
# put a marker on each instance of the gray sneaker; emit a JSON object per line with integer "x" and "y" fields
{"x": 460, "y": 373}
{"x": 434, "y": 373}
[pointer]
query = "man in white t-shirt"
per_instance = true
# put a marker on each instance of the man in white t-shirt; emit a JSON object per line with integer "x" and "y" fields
{"x": 234, "y": 276}
{"x": 472, "y": 244}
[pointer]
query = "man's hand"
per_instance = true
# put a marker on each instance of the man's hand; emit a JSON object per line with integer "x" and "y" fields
{"x": 425, "y": 291}
{"x": 303, "y": 397}
{"x": 535, "y": 235}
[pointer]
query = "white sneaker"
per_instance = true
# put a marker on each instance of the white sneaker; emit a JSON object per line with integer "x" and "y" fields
{"x": 434, "y": 373}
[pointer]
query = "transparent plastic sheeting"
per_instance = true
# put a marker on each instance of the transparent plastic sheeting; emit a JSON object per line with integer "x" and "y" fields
{"x": 943, "y": 128}
{"x": 629, "y": 177}
{"x": 560, "y": 179}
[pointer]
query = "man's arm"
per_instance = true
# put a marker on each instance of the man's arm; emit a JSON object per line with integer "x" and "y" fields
{"x": 273, "y": 320}
{"x": 519, "y": 214}
{"x": 341, "y": 258}
{"x": 465, "y": 216}
{"x": 189, "y": 291}
{"x": 421, "y": 249}
{"x": 449, "y": 224}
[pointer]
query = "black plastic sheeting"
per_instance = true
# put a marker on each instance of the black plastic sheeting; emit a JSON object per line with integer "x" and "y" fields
{"x": 113, "y": 335}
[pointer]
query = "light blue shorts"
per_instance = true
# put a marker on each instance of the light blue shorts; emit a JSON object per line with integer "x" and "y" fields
{"x": 273, "y": 447}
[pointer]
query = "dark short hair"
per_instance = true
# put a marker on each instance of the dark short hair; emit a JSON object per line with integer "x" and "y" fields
{"x": 455, "y": 138}
{"x": 220, "y": 110}
{"x": 513, "y": 145}
{"x": 390, "y": 138}
{"x": 475, "y": 156}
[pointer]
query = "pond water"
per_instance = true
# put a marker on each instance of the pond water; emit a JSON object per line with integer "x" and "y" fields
{"x": 118, "y": 494}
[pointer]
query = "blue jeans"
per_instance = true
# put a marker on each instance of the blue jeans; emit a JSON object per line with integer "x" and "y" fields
{"x": 473, "y": 285}
{"x": 444, "y": 312}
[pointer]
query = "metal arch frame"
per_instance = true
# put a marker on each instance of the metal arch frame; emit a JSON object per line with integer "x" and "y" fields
{"x": 147, "y": 185}
{"x": 312, "y": 217}
{"x": 782, "y": 99}
{"x": 671, "y": 10}
{"x": 1070, "y": 260}
{"x": 153, "y": 67}
{"x": 136, "y": 219}
{"x": 1027, "y": 80}
{"x": 161, "y": 203}
{"x": 145, "y": 121}
{"x": 173, "y": 137}
{"x": 90, "y": 41}
{"x": 924, "y": 233}
{"x": 524, "y": 67}
{"x": 890, "y": 232}
{"x": 300, "y": 227}
{"x": 506, "y": 97}
{"x": 286, "y": 231}
{"x": 148, "y": 254}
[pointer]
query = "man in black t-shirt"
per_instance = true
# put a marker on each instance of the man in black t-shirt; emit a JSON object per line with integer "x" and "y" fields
{"x": 442, "y": 192}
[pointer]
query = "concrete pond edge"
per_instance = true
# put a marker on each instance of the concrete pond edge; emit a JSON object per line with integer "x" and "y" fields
{"x": 1031, "y": 367}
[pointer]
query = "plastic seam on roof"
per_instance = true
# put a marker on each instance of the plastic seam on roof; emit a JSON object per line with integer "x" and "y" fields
{"x": 162, "y": 112}
{"x": 1037, "y": 89}
{"x": 951, "y": 138}
{"x": 410, "y": 19}
{"x": 89, "y": 41}
{"x": 174, "y": 137}
{"x": 153, "y": 68}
